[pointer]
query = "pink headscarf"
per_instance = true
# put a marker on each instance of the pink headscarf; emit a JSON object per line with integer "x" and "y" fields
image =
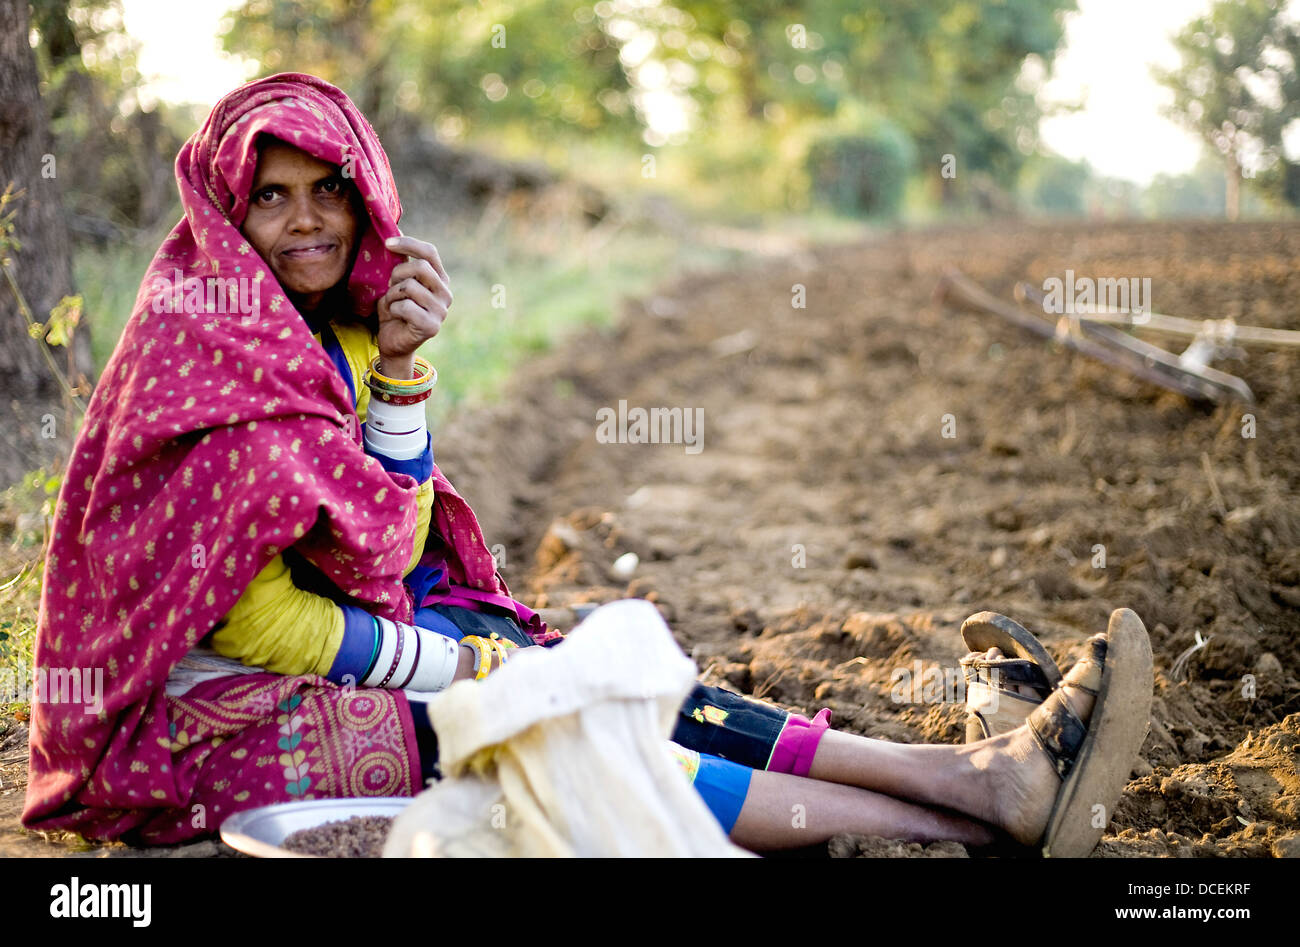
{"x": 214, "y": 441}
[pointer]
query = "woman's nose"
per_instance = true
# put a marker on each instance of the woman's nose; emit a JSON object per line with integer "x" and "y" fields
{"x": 304, "y": 215}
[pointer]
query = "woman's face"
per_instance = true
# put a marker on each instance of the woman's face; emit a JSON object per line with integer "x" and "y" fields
{"x": 302, "y": 221}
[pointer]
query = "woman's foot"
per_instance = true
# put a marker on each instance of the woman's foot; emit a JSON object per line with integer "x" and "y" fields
{"x": 1022, "y": 780}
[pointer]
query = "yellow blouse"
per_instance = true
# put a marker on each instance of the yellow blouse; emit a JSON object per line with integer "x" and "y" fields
{"x": 278, "y": 626}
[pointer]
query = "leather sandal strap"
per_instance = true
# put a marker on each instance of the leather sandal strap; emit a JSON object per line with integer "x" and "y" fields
{"x": 1006, "y": 672}
{"x": 1057, "y": 729}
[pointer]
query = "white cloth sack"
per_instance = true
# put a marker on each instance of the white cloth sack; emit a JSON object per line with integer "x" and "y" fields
{"x": 580, "y": 764}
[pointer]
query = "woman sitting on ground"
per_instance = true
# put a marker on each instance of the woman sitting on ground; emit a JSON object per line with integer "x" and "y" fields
{"x": 255, "y": 545}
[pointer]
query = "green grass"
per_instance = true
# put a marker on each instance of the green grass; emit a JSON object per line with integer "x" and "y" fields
{"x": 24, "y": 511}
{"x": 547, "y": 297}
{"x": 108, "y": 281}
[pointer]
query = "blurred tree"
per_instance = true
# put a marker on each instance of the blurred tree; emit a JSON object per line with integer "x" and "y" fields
{"x": 1055, "y": 185}
{"x": 1199, "y": 193}
{"x": 1237, "y": 87}
{"x": 116, "y": 151}
{"x": 34, "y": 256}
{"x": 545, "y": 66}
{"x": 951, "y": 74}
{"x": 862, "y": 171}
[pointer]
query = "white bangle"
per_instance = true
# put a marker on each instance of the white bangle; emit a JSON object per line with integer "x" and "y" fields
{"x": 412, "y": 658}
{"x": 398, "y": 431}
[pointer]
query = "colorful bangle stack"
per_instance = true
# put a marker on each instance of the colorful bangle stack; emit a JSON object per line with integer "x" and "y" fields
{"x": 402, "y": 391}
{"x": 482, "y": 655}
{"x": 484, "y": 649}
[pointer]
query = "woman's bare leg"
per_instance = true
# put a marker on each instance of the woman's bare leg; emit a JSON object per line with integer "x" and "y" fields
{"x": 1005, "y": 780}
{"x": 783, "y": 811}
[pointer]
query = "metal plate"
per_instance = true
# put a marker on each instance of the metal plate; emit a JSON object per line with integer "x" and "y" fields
{"x": 261, "y": 832}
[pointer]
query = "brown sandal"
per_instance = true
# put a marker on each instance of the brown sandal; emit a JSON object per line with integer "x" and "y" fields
{"x": 1095, "y": 760}
{"x": 993, "y": 705}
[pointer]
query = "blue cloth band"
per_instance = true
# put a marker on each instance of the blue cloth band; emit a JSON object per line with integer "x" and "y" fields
{"x": 330, "y": 342}
{"x": 421, "y": 468}
{"x": 421, "y": 580}
{"x": 723, "y": 785}
{"x": 428, "y": 619}
{"x": 357, "y": 652}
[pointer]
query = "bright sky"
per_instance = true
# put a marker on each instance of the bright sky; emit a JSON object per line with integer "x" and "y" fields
{"x": 1111, "y": 45}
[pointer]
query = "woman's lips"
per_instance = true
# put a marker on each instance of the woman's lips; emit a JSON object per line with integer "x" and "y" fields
{"x": 313, "y": 252}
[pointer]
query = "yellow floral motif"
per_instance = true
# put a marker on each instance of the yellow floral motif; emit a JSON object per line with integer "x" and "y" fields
{"x": 713, "y": 715}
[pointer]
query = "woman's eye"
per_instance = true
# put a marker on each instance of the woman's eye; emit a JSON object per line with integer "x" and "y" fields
{"x": 264, "y": 197}
{"x": 332, "y": 187}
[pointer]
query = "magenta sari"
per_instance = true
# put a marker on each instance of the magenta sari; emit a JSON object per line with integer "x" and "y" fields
{"x": 215, "y": 440}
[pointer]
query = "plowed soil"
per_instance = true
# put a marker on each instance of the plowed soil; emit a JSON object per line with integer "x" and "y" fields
{"x": 875, "y": 467}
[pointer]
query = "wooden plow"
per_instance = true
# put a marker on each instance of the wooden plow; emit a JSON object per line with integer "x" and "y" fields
{"x": 1101, "y": 335}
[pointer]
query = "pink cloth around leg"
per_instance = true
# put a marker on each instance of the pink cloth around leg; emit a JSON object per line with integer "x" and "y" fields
{"x": 797, "y": 744}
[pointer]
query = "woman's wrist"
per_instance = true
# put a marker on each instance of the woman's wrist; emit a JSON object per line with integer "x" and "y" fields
{"x": 397, "y": 366}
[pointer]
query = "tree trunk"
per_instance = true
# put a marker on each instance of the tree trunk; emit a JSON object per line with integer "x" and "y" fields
{"x": 33, "y": 429}
{"x": 1232, "y": 190}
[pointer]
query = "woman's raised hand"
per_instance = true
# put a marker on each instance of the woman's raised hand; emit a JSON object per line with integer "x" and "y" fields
{"x": 412, "y": 310}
